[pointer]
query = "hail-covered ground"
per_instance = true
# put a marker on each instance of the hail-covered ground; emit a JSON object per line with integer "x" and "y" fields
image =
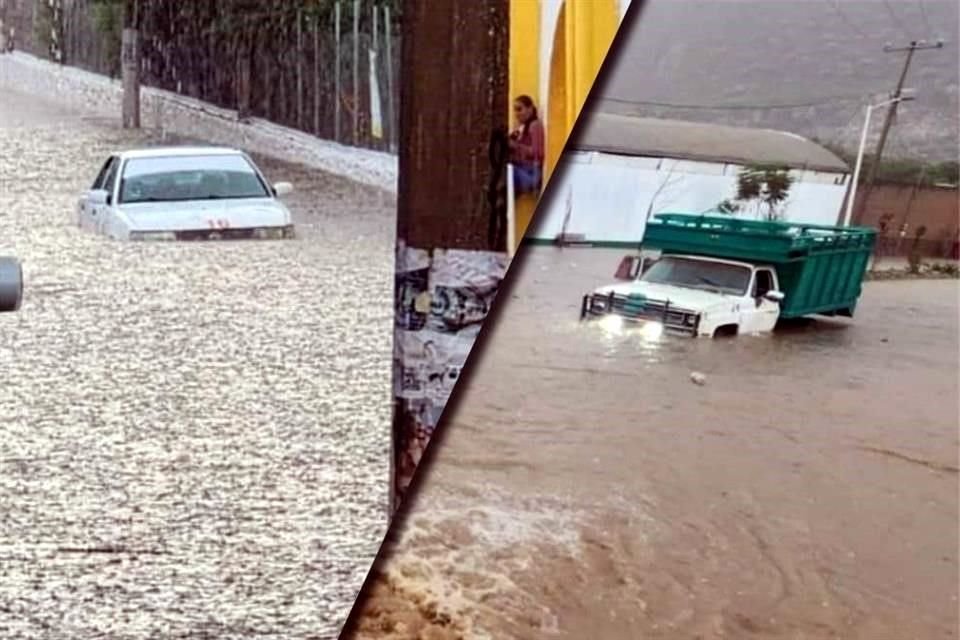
{"x": 194, "y": 437}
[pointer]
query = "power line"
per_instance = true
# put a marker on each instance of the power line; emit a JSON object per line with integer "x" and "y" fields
{"x": 843, "y": 16}
{"x": 926, "y": 18}
{"x": 739, "y": 107}
{"x": 898, "y": 22}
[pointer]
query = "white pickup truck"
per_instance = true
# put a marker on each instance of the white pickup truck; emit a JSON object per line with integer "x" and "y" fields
{"x": 693, "y": 295}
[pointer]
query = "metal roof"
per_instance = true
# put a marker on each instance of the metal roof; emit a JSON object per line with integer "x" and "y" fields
{"x": 661, "y": 138}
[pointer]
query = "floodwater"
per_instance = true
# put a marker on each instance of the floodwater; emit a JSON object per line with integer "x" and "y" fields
{"x": 587, "y": 488}
{"x": 195, "y": 437}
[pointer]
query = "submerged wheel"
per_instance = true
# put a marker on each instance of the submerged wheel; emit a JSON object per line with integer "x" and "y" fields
{"x": 11, "y": 284}
{"x": 726, "y": 331}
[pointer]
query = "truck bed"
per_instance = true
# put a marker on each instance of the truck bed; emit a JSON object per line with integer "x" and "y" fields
{"x": 820, "y": 268}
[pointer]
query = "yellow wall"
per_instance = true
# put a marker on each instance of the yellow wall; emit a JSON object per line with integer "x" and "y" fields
{"x": 525, "y": 17}
{"x": 581, "y": 39}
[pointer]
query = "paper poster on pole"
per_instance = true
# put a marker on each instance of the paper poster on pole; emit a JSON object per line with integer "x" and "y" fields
{"x": 376, "y": 117}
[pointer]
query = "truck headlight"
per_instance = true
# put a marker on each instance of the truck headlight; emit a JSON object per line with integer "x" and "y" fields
{"x": 612, "y": 323}
{"x": 652, "y": 330}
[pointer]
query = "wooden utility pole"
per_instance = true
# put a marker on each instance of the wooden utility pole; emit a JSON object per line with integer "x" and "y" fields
{"x": 891, "y": 113}
{"x": 130, "y": 63}
{"x": 448, "y": 114}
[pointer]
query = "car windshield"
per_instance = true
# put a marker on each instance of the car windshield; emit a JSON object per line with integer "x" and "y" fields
{"x": 699, "y": 274}
{"x": 201, "y": 177}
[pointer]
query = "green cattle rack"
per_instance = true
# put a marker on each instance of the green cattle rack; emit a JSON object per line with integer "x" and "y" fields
{"x": 820, "y": 268}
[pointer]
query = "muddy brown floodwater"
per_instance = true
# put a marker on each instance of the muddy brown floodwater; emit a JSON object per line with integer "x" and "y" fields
{"x": 194, "y": 437}
{"x": 586, "y": 488}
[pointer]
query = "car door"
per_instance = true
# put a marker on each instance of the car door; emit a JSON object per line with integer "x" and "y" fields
{"x": 103, "y": 215}
{"x": 760, "y": 314}
{"x": 89, "y": 211}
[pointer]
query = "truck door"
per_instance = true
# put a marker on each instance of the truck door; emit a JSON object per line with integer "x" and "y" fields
{"x": 760, "y": 314}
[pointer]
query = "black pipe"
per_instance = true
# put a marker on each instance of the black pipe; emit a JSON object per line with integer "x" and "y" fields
{"x": 11, "y": 284}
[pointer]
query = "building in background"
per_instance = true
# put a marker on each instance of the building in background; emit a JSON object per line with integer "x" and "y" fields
{"x": 622, "y": 170}
{"x": 556, "y": 49}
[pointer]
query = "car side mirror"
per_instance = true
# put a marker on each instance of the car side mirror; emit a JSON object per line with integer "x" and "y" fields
{"x": 282, "y": 189}
{"x": 100, "y": 196}
{"x": 11, "y": 284}
{"x": 629, "y": 268}
{"x": 774, "y": 296}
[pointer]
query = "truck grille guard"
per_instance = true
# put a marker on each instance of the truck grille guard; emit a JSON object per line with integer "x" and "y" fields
{"x": 636, "y": 309}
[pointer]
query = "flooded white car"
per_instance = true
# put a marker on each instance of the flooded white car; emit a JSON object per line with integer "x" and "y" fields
{"x": 184, "y": 193}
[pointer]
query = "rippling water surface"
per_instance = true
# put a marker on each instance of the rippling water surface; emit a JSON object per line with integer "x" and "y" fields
{"x": 194, "y": 437}
{"x": 587, "y": 488}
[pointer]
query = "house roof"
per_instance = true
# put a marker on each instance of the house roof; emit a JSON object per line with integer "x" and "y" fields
{"x": 656, "y": 137}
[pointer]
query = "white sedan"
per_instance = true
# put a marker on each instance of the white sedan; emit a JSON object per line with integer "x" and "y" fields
{"x": 184, "y": 193}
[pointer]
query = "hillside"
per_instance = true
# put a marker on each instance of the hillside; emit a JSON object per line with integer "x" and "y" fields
{"x": 767, "y": 52}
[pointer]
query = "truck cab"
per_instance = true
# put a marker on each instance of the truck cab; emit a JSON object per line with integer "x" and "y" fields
{"x": 692, "y": 294}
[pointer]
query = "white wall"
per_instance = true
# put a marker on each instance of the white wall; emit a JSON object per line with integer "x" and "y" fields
{"x": 610, "y": 195}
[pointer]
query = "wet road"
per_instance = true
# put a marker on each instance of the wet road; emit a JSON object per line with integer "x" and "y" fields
{"x": 588, "y": 489}
{"x": 195, "y": 437}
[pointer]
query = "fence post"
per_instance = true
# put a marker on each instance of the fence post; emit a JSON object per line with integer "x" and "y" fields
{"x": 316, "y": 75}
{"x": 391, "y": 109}
{"x": 356, "y": 72}
{"x": 376, "y": 97}
{"x": 336, "y": 74}
{"x": 243, "y": 82}
{"x": 300, "y": 69}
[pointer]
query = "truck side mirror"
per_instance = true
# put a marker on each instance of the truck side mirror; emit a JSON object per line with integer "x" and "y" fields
{"x": 11, "y": 284}
{"x": 774, "y": 296}
{"x": 629, "y": 268}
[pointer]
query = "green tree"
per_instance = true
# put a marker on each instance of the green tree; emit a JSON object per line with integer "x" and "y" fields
{"x": 108, "y": 22}
{"x": 767, "y": 185}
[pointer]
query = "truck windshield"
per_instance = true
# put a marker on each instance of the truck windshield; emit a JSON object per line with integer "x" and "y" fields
{"x": 699, "y": 274}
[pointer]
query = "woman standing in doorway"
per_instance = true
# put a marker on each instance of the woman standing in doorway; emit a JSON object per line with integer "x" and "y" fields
{"x": 526, "y": 147}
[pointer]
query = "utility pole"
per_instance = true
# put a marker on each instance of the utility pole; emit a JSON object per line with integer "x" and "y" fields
{"x": 130, "y": 64}
{"x": 910, "y": 49}
{"x": 446, "y": 276}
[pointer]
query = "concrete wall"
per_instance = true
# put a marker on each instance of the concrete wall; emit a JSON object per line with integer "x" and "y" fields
{"x": 609, "y": 195}
{"x": 96, "y": 94}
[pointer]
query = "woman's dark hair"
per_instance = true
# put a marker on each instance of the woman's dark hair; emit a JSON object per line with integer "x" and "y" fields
{"x": 527, "y": 102}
